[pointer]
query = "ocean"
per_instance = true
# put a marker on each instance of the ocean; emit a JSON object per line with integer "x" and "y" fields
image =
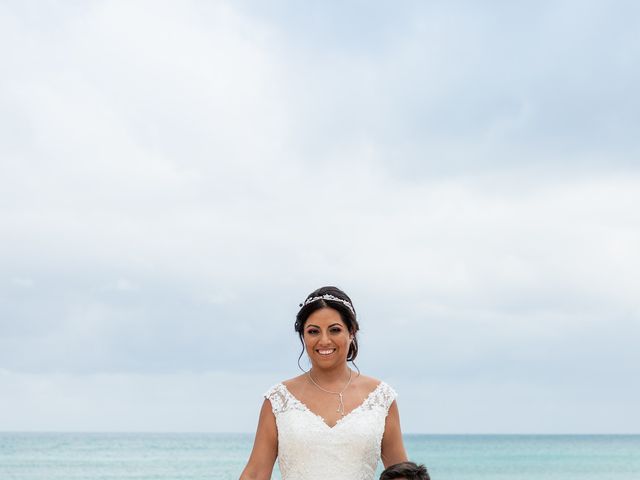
{"x": 147, "y": 456}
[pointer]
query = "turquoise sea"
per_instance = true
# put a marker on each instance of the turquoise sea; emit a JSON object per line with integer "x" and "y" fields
{"x": 147, "y": 456}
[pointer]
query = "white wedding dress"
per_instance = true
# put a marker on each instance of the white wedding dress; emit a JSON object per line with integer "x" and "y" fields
{"x": 309, "y": 449}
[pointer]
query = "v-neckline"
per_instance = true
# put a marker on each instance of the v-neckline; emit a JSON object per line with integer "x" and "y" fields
{"x": 320, "y": 417}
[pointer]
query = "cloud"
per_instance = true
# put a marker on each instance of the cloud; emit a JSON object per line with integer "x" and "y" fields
{"x": 526, "y": 264}
{"x": 441, "y": 89}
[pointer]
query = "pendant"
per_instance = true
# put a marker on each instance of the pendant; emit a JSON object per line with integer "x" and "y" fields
{"x": 340, "y": 406}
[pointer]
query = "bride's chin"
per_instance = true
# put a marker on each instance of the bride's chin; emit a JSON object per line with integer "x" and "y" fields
{"x": 327, "y": 363}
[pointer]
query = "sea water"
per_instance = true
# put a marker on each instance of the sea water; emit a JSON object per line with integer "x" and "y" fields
{"x": 147, "y": 456}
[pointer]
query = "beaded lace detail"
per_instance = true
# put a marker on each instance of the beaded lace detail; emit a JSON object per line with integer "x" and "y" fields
{"x": 310, "y": 449}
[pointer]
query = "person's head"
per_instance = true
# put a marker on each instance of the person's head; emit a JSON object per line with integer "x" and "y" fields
{"x": 405, "y": 471}
{"x": 327, "y": 327}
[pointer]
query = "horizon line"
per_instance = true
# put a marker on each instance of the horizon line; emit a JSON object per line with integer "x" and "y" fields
{"x": 208, "y": 432}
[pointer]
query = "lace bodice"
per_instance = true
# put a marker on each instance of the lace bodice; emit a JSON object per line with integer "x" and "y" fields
{"x": 309, "y": 449}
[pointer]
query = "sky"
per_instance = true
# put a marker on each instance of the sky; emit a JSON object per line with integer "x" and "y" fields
{"x": 176, "y": 177}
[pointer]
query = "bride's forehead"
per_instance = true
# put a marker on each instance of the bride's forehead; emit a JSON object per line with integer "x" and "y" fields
{"x": 325, "y": 316}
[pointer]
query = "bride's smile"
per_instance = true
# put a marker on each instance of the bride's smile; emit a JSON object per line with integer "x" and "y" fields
{"x": 326, "y": 351}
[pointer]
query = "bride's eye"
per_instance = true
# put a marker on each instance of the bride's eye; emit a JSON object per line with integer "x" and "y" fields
{"x": 312, "y": 331}
{"x": 335, "y": 330}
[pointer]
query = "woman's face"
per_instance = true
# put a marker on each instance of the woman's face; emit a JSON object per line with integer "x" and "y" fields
{"x": 326, "y": 338}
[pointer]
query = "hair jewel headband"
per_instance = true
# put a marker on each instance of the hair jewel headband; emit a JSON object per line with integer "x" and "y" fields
{"x": 328, "y": 296}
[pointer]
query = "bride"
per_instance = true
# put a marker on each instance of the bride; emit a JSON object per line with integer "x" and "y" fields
{"x": 330, "y": 422}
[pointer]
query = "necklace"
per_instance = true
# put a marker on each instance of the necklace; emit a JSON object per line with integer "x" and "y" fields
{"x": 340, "y": 409}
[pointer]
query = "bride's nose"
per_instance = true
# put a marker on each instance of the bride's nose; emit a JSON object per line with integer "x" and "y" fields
{"x": 324, "y": 338}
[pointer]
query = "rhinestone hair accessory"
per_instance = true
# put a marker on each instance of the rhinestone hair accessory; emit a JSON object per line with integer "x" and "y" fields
{"x": 328, "y": 296}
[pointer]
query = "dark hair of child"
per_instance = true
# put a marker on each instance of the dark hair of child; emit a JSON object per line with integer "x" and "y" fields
{"x": 405, "y": 471}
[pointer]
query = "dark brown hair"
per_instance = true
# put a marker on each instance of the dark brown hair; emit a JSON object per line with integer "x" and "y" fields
{"x": 347, "y": 316}
{"x": 405, "y": 470}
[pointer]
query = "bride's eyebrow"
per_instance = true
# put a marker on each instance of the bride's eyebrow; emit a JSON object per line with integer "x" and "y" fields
{"x": 312, "y": 325}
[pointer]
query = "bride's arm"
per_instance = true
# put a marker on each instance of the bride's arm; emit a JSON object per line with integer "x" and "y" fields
{"x": 265, "y": 447}
{"x": 392, "y": 447}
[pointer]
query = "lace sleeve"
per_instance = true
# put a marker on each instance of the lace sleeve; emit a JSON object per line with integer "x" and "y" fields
{"x": 383, "y": 396}
{"x": 278, "y": 398}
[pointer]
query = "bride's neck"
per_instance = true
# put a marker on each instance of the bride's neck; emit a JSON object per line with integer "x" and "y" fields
{"x": 337, "y": 375}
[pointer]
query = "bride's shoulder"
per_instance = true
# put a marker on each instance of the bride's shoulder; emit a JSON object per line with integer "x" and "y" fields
{"x": 279, "y": 392}
{"x": 368, "y": 382}
{"x": 369, "y": 385}
{"x": 295, "y": 384}
{"x": 286, "y": 385}
{"x": 294, "y": 381}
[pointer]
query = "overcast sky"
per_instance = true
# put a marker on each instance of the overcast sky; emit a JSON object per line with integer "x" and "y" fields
{"x": 176, "y": 177}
